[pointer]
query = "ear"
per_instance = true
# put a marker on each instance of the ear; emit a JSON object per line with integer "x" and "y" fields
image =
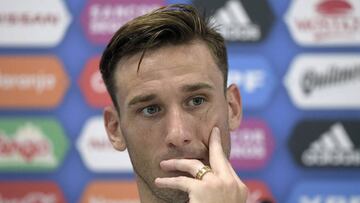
{"x": 113, "y": 130}
{"x": 234, "y": 106}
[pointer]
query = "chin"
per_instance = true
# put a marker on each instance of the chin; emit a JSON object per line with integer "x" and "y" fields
{"x": 173, "y": 196}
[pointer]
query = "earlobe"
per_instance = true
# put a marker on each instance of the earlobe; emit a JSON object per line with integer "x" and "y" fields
{"x": 234, "y": 106}
{"x": 112, "y": 126}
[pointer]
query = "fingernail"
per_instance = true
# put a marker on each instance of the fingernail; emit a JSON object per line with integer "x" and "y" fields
{"x": 216, "y": 131}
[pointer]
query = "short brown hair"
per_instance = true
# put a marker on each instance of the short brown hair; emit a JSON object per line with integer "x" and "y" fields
{"x": 173, "y": 24}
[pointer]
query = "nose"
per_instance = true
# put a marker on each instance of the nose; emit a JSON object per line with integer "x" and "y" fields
{"x": 178, "y": 129}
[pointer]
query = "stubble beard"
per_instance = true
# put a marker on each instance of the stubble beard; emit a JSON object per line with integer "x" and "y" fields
{"x": 164, "y": 194}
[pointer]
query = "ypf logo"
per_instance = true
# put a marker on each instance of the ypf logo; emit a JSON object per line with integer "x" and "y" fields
{"x": 251, "y": 145}
{"x": 32, "y": 191}
{"x": 111, "y": 191}
{"x": 96, "y": 150}
{"x": 32, "y": 23}
{"x": 102, "y": 18}
{"x": 319, "y": 143}
{"x": 31, "y": 144}
{"x": 237, "y": 20}
{"x": 254, "y": 77}
{"x": 93, "y": 86}
{"x": 324, "y": 22}
{"x": 325, "y": 81}
{"x": 258, "y": 192}
{"x": 31, "y": 81}
{"x": 326, "y": 192}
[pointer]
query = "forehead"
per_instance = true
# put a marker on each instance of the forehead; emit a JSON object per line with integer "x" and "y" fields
{"x": 168, "y": 65}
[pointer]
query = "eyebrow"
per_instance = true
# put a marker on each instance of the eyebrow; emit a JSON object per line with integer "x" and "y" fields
{"x": 185, "y": 88}
{"x": 195, "y": 87}
{"x": 142, "y": 98}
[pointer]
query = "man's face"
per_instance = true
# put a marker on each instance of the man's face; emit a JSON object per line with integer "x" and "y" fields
{"x": 168, "y": 109}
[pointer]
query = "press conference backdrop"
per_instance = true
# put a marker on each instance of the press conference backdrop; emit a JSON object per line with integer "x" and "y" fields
{"x": 297, "y": 64}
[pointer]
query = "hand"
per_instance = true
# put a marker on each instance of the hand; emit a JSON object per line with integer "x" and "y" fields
{"x": 220, "y": 185}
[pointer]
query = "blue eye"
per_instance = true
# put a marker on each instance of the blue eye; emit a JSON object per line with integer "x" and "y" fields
{"x": 196, "y": 101}
{"x": 150, "y": 110}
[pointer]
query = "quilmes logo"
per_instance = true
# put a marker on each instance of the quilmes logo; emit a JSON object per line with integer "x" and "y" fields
{"x": 31, "y": 144}
{"x": 111, "y": 191}
{"x": 34, "y": 23}
{"x": 325, "y": 81}
{"x": 326, "y": 192}
{"x": 326, "y": 143}
{"x": 31, "y": 81}
{"x": 258, "y": 192}
{"x": 30, "y": 192}
{"x": 254, "y": 77}
{"x": 96, "y": 150}
{"x": 251, "y": 145}
{"x": 102, "y": 18}
{"x": 236, "y": 19}
{"x": 93, "y": 86}
{"x": 325, "y": 22}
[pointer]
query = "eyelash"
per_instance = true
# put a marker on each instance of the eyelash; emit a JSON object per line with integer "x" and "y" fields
{"x": 196, "y": 97}
{"x": 150, "y": 106}
{"x": 203, "y": 99}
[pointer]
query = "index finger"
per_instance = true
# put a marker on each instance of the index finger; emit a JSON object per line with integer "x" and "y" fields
{"x": 217, "y": 158}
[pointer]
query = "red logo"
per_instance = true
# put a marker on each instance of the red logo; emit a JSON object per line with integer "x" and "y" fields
{"x": 28, "y": 149}
{"x": 30, "y": 192}
{"x": 258, "y": 192}
{"x": 333, "y": 7}
{"x": 93, "y": 86}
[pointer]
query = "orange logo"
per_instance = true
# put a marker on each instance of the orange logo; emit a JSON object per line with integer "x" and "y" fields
{"x": 111, "y": 191}
{"x": 31, "y": 81}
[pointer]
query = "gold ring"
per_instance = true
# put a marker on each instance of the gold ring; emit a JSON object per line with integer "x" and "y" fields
{"x": 202, "y": 171}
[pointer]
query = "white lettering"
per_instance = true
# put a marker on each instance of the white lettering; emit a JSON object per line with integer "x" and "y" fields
{"x": 97, "y": 83}
{"x": 106, "y": 19}
{"x": 330, "y": 199}
{"x": 250, "y": 80}
{"x": 33, "y": 197}
{"x": 39, "y": 82}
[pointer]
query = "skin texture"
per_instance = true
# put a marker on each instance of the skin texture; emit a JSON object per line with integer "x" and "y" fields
{"x": 175, "y": 117}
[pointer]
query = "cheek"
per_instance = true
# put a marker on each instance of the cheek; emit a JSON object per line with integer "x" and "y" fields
{"x": 214, "y": 116}
{"x": 147, "y": 137}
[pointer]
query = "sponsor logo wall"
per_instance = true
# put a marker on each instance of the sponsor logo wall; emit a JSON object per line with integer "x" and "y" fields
{"x": 31, "y": 191}
{"x": 326, "y": 192}
{"x": 324, "y": 22}
{"x": 295, "y": 62}
{"x": 326, "y": 144}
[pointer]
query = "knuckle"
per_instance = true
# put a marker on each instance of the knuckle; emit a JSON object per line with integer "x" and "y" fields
{"x": 230, "y": 183}
{"x": 213, "y": 184}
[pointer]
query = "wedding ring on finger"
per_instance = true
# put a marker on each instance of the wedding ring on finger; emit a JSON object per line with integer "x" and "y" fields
{"x": 202, "y": 171}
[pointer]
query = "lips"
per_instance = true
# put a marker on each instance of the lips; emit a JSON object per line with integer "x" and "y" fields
{"x": 334, "y": 7}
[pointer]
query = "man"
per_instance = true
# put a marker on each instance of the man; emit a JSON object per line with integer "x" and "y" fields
{"x": 166, "y": 73}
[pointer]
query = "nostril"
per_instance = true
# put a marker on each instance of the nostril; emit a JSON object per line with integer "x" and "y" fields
{"x": 171, "y": 145}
